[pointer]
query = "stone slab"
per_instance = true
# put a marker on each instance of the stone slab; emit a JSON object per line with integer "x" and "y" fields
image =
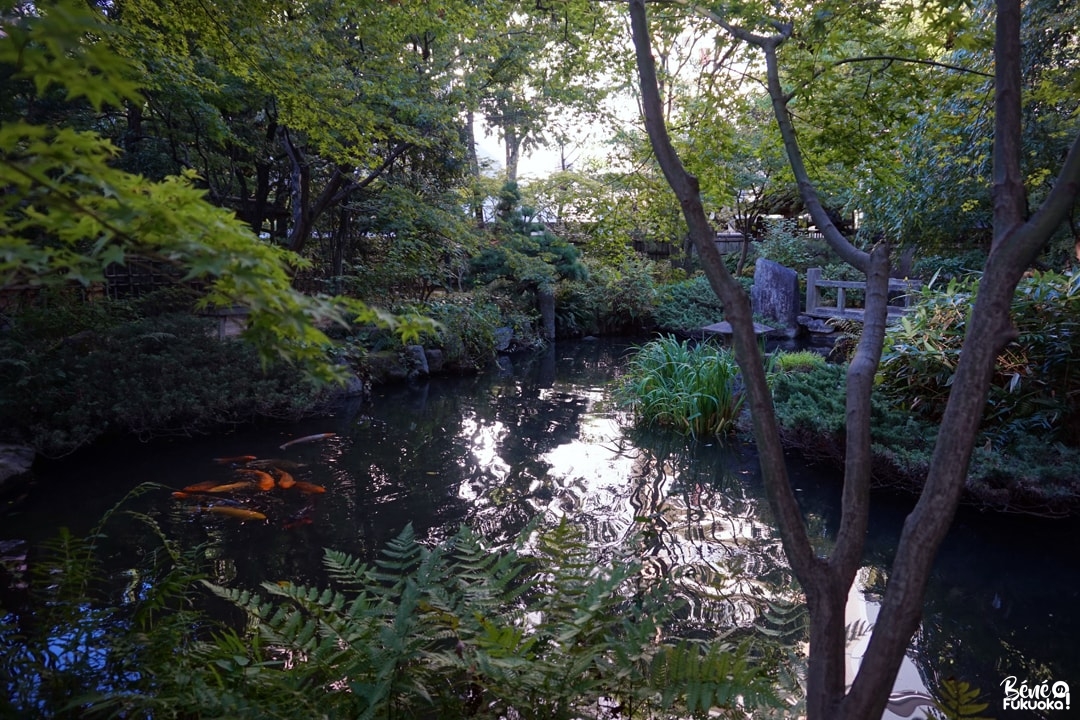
{"x": 724, "y": 328}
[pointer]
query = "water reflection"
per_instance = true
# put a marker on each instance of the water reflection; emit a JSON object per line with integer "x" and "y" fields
{"x": 542, "y": 437}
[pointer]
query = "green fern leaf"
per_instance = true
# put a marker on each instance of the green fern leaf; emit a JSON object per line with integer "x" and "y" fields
{"x": 958, "y": 700}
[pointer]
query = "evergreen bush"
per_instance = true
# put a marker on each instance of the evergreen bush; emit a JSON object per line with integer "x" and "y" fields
{"x": 687, "y": 306}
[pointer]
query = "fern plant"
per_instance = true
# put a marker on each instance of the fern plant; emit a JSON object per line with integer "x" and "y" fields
{"x": 69, "y": 650}
{"x": 545, "y": 628}
{"x": 539, "y": 630}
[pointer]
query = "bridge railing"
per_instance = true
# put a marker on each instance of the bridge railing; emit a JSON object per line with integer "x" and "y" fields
{"x": 900, "y": 292}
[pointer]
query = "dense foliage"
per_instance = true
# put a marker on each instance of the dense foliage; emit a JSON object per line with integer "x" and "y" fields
{"x": 616, "y": 300}
{"x": 1036, "y": 386}
{"x": 527, "y": 252}
{"x": 687, "y": 306}
{"x": 1028, "y": 474}
{"x": 69, "y": 212}
{"x": 73, "y": 372}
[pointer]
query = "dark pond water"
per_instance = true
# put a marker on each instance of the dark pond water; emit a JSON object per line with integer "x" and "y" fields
{"x": 542, "y": 436}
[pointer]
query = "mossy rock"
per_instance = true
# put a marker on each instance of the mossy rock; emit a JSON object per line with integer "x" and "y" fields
{"x": 386, "y": 366}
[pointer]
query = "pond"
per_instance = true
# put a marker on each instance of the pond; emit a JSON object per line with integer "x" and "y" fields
{"x": 541, "y": 435}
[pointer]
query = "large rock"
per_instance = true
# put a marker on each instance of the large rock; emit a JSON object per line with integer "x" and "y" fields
{"x": 386, "y": 366}
{"x": 416, "y": 360}
{"x": 15, "y": 460}
{"x": 353, "y": 388}
{"x": 816, "y": 325}
{"x": 503, "y": 337}
{"x": 775, "y": 295}
{"x": 435, "y": 360}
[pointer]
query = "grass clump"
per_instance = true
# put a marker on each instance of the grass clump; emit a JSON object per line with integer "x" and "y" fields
{"x": 795, "y": 361}
{"x": 692, "y": 388}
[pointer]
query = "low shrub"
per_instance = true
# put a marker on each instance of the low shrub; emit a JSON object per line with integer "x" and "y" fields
{"x": 691, "y": 388}
{"x": 687, "y": 306}
{"x": 612, "y": 300}
{"x": 1028, "y": 474}
{"x": 810, "y": 408}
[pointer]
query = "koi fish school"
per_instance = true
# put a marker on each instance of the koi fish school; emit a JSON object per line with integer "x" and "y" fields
{"x": 211, "y": 495}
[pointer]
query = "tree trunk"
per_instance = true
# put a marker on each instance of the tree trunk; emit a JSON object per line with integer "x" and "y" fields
{"x": 513, "y": 151}
{"x": 262, "y": 184}
{"x": 474, "y": 167}
{"x": 337, "y": 189}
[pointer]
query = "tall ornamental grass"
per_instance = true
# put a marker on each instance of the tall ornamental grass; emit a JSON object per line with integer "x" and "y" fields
{"x": 694, "y": 389}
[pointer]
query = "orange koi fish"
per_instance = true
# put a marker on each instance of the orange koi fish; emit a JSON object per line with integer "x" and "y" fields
{"x": 245, "y": 485}
{"x": 202, "y": 487}
{"x": 308, "y": 438}
{"x": 239, "y": 513}
{"x": 264, "y": 480}
{"x": 237, "y": 459}
{"x": 180, "y": 495}
{"x": 310, "y": 488}
{"x": 285, "y": 480}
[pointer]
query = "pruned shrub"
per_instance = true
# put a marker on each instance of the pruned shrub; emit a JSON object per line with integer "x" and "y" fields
{"x": 687, "y": 306}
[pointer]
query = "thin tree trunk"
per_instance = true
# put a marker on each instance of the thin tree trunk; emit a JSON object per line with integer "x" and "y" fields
{"x": 1016, "y": 245}
{"x": 736, "y": 306}
{"x": 474, "y": 166}
{"x": 513, "y": 152}
{"x": 262, "y": 184}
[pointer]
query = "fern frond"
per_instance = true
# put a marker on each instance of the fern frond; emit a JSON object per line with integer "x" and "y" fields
{"x": 401, "y": 554}
{"x": 958, "y": 700}
{"x": 347, "y": 570}
{"x": 709, "y": 676}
